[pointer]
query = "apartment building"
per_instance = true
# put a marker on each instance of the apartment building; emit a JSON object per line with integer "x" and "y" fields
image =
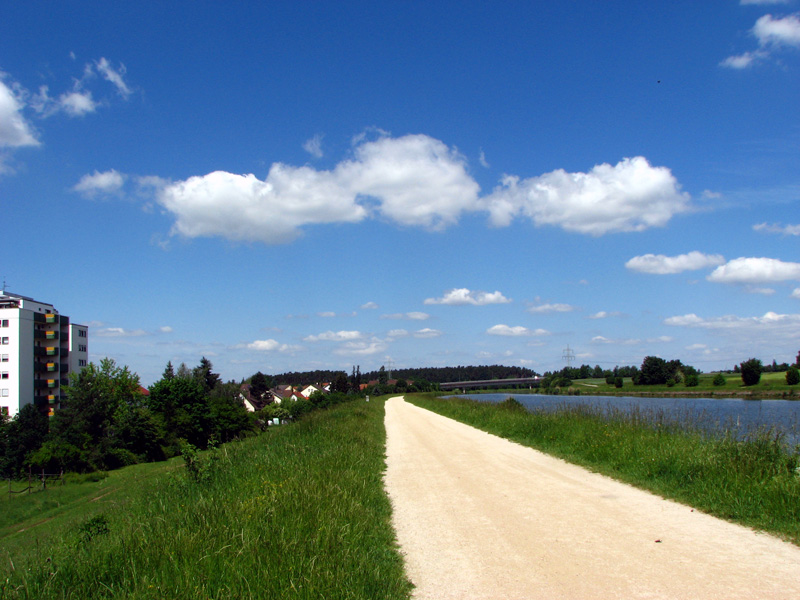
{"x": 39, "y": 348}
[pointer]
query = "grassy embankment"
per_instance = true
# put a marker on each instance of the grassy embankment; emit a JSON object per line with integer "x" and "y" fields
{"x": 772, "y": 385}
{"x": 298, "y": 512}
{"x": 754, "y": 482}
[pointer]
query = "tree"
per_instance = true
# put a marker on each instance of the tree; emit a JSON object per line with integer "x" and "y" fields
{"x": 382, "y": 376}
{"x": 751, "y": 371}
{"x": 340, "y": 383}
{"x": 204, "y": 374}
{"x": 259, "y": 385}
{"x": 169, "y": 372}
{"x": 228, "y": 417}
{"x": 797, "y": 361}
{"x": 719, "y": 380}
{"x": 793, "y": 376}
{"x": 181, "y": 406}
{"x": 24, "y": 435}
{"x": 654, "y": 371}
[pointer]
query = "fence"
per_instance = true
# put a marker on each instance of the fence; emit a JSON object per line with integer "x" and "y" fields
{"x": 40, "y": 478}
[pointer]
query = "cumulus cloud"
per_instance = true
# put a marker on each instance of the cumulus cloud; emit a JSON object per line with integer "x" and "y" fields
{"x": 629, "y": 196}
{"x": 773, "y": 34}
{"x": 462, "y": 296}
{"x": 15, "y": 131}
{"x": 105, "y": 183}
{"x": 777, "y": 228}
{"x": 334, "y": 336}
{"x": 119, "y": 332}
{"x": 659, "y": 264}
{"x": 605, "y": 314}
{"x": 397, "y": 333}
{"x": 550, "y": 308}
{"x": 370, "y": 306}
{"x": 515, "y": 331}
{"x": 361, "y": 348}
{"x": 75, "y": 103}
{"x": 796, "y": 293}
{"x": 755, "y": 270}
{"x": 264, "y": 345}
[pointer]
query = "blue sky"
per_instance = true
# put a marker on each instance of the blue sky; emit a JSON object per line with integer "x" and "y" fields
{"x": 307, "y": 185}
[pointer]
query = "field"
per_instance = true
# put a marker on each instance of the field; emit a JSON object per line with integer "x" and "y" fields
{"x": 772, "y": 385}
{"x": 297, "y": 512}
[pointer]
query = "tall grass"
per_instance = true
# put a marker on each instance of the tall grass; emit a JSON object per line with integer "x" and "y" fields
{"x": 754, "y": 481}
{"x": 299, "y": 512}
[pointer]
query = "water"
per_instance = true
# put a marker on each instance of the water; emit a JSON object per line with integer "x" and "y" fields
{"x": 710, "y": 414}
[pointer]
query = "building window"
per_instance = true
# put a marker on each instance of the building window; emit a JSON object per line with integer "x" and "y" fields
{"x": 4, "y": 392}
{"x": 4, "y": 323}
{"x": 4, "y": 411}
{"x": 81, "y": 333}
{"x": 4, "y": 341}
{"x": 4, "y": 375}
{"x": 81, "y": 363}
{"x": 81, "y": 348}
{"x": 4, "y": 358}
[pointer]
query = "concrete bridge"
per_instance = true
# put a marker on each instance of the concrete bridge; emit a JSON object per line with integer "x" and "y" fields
{"x": 482, "y": 383}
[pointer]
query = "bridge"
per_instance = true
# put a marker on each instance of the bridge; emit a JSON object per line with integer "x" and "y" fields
{"x": 452, "y": 385}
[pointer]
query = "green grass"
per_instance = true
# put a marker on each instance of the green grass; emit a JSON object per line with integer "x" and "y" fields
{"x": 298, "y": 512}
{"x": 772, "y": 385}
{"x": 755, "y": 482}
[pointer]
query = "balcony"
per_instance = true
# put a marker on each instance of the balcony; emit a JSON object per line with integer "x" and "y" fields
{"x": 51, "y": 335}
{"x": 52, "y": 367}
{"x": 51, "y": 318}
{"x": 51, "y": 352}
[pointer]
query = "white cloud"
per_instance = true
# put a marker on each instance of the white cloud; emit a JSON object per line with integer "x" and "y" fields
{"x": 115, "y": 76}
{"x": 411, "y": 316}
{"x": 416, "y": 180}
{"x": 599, "y": 339}
{"x": 777, "y": 228}
{"x": 778, "y": 32}
{"x": 773, "y": 34}
{"x": 659, "y": 264}
{"x": 427, "y": 333}
{"x": 515, "y": 331}
{"x": 462, "y": 296}
{"x": 107, "y": 183}
{"x": 605, "y": 314}
{"x": 796, "y": 293}
{"x": 771, "y": 326}
{"x": 326, "y": 314}
{"x": 334, "y": 336}
{"x": 165, "y": 329}
{"x": 363, "y": 348}
{"x": 397, "y": 333}
{"x": 550, "y": 308}
{"x": 77, "y": 103}
{"x": 628, "y": 196}
{"x": 369, "y": 306}
{"x": 743, "y": 61}
{"x": 244, "y": 208}
{"x": 751, "y": 289}
{"x": 413, "y": 180}
{"x": 755, "y": 270}
{"x": 264, "y": 345}
{"x": 314, "y": 146}
{"x": 15, "y": 131}
{"x": 119, "y": 332}
{"x": 482, "y": 160}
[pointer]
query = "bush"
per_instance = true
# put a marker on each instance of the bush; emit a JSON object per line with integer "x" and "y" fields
{"x": 751, "y": 371}
{"x": 793, "y": 376}
{"x": 719, "y": 380}
{"x": 692, "y": 380}
{"x": 618, "y": 382}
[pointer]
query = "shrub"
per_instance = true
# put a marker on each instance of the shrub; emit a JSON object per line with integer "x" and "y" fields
{"x": 793, "y": 376}
{"x": 618, "y": 381}
{"x": 751, "y": 371}
{"x": 692, "y": 380}
{"x": 719, "y": 380}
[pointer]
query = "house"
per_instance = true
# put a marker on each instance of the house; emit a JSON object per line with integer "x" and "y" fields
{"x": 251, "y": 403}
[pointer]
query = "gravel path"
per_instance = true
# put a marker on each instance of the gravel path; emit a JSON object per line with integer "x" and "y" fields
{"x": 480, "y": 517}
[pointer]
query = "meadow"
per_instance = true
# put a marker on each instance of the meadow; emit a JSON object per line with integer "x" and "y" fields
{"x": 297, "y": 512}
{"x": 755, "y": 481}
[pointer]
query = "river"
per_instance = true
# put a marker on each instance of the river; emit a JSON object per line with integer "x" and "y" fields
{"x": 710, "y": 414}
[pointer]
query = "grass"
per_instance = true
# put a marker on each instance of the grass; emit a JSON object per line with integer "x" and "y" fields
{"x": 772, "y": 385}
{"x": 754, "y": 482}
{"x": 298, "y": 512}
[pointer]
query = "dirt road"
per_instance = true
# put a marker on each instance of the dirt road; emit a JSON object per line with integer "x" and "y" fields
{"x": 479, "y": 517}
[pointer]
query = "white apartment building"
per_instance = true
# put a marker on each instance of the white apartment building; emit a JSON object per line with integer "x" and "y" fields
{"x": 39, "y": 348}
